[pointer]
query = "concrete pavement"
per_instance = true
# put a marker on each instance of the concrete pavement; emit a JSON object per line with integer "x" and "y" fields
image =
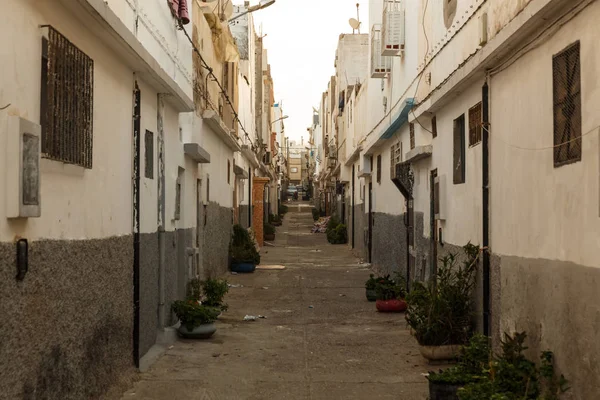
{"x": 321, "y": 338}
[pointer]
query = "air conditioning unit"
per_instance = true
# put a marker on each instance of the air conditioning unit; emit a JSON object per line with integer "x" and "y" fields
{"x": 380, "y": 65}
{"x": 392, "y": 31}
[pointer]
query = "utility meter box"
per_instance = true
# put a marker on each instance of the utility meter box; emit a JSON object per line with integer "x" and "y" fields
{"x": 23, "y": 196}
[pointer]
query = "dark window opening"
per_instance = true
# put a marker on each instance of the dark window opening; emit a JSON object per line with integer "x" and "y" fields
{"x": 379, "y": 168}
{"x": 434, "y": 126}
{"x": 149, "y": 155}
{"x": 459, "y": 150}
{"x": 566, "y": 69}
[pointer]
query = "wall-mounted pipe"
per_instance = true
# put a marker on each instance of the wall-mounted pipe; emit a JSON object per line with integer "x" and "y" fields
{"x": 486, "y": 208}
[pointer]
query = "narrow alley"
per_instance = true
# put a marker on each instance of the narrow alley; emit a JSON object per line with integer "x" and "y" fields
{"x": 321, "y": 339}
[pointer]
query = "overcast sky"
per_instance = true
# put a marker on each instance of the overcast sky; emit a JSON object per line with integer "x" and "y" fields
{"x": 302, "y": 37}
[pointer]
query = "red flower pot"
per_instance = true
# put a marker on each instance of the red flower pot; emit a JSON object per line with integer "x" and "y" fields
{"x": 391, "y": 305}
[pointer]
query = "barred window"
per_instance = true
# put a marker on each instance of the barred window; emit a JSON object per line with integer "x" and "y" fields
{"x": 475, "y": 123}
{"x": 412, "y": 135}
{"x": 566, "y": 71}
{"x": 66, "y": 100}
{"x": 149, "y": 155}
{"x": 434, "y": 126}
{"x": 395, "y": 157}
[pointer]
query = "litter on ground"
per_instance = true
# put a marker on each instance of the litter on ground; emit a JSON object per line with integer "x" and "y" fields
{"x": 321, "y": 225}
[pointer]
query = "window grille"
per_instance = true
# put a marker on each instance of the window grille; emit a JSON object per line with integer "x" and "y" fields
{"x": 566, "y": 69}
{"x": 379, "y": 168}
{"x": 412, "y": 135}
{"x": 66, "y": 113}
{"x": 475, "y": 124}
{"x": 434, "y": 126}
{"x": 395, "y": 157}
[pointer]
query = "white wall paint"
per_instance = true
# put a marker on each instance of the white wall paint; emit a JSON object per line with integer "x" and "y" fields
{"x": 76, "y": 203}
{"x": 539, "y": 211}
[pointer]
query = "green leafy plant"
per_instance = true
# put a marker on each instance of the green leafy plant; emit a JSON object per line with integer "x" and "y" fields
{"x": 214, "y": 292}
{"x": 472, "y": 363}
{"x": 371, "y": 283}
{"x": 242, "y": 248}
{"x": 194, "y": 289}
{"x": 391, "y": 289}
{"x": 283, "y": 209}
{"x": 192, "y": 314}
{"x": 269, "y": 229}
{"x": 440, "y": 311}
{"x": 511, "y": 376}
{"x": 338, "y": 235}
{"x": 274, "y": 219}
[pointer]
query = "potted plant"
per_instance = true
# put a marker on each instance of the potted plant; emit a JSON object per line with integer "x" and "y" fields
{"x": 440, "y": 312}
{"x": 214, "y": 291}
{"x": 275, "y": 220}
{"x": 196, "y": 319}
{"x": 242, "y": 251}
{"x": 511, "y": 375}
{"x": 370, "y": 286}
{"x": 336, "y": 232}
{"x": 269, "y": 232}
{"x": 473, "y": 361}
{"x": 390, "y": 294}
{"x": 316, "y": 214}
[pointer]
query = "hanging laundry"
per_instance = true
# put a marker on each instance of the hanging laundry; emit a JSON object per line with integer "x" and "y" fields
{"x": 179, "y": 8}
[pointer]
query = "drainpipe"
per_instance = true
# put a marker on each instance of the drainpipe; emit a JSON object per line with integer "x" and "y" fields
{"x": 136, "y": 223}
{"x": 486, "y": 208}
{"x": 161, "y": 214}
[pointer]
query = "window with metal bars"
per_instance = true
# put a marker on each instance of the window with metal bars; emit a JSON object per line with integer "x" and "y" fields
{"x": 395, "y": 157}
{"x": 412, "y": 135}
{"x": 459, "y": 150}
{"x": 379, "y": 168}
{"x": 228, "y": 172}
{"x": 149, "y": 155}
{"x": 566, "y": 70}
{"x": 475, "y": 124}
{"x": 434, "y": 126}
{"x": 66, "y": 99}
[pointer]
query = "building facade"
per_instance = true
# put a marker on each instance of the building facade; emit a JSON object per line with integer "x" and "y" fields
{"x": 475, "y": 125}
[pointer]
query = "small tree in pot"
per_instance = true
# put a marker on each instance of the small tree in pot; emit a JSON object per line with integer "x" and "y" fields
{"x": 242, "y": 251}
{"x": 196, "y": 319}
{"x": 214, "y": 291}
{"x": 269, "y": 232}
{"x": 440, "y": 312}
{"x": 370, "y": 287}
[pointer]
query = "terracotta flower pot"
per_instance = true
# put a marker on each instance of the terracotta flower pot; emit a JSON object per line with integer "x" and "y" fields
{"x": 440, "y": 353}
{"x": 393, "y": 305}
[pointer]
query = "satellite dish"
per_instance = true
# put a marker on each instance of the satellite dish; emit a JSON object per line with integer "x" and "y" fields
{"x": 354, "y": 23}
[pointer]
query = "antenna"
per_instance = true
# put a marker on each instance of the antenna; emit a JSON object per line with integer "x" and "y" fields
{"x": 358, "y": 16}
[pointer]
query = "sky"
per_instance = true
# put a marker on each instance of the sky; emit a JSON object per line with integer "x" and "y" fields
{"x": 302, "y": 36}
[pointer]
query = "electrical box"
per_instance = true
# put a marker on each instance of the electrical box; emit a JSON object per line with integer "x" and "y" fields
{"x": 24, "y": 140}
{"x": 440, "y": 197}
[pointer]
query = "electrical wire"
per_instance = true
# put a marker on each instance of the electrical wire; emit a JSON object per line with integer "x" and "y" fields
{"x": 596, "y": 129}
{"x": 216, "y": 80}
{"x": 424, "y": 60}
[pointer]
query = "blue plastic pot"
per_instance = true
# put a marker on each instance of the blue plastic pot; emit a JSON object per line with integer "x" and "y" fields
{"x": 242, "y": 268}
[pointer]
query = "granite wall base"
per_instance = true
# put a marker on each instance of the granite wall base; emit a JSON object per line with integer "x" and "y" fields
{"x": 67, "y": 329}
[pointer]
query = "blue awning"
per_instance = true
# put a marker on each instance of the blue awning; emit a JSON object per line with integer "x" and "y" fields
{"x": 401, "y": 120}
